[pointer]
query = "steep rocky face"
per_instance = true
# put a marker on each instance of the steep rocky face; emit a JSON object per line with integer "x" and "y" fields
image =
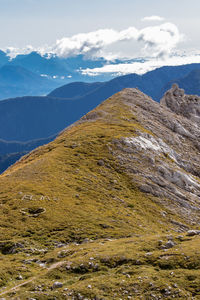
{"x": 163, "y": 157}
{"x": 115, "y": 198}
{"x": 186, "y": 105}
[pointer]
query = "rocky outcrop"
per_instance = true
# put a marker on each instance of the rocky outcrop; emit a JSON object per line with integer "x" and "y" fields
{"x": 180, "y": 103}
{"x": 163, "y": 156}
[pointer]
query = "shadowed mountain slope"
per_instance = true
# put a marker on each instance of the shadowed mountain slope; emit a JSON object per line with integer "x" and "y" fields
{"x": 10, "y": 152}
{"x": 56, "y": 66}
{"x": 49, "y": 72}
{"x": 9, "y": 159}
{"x": 75, "y": 90}
{"x": 152, "y": 83}
{"x": 103, "y": 211}
{"x": 14, "y": 146}
{"x": 190, "y": 83}
{"x": 4, "y": 59}
{"x": 28, "y": 118}
{"x": 18, "y": 81}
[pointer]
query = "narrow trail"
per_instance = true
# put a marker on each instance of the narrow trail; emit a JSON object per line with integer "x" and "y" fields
{"x": 16, "y": 287}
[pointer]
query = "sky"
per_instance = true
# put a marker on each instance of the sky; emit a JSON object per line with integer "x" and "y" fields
{"x": 155, "y": 30}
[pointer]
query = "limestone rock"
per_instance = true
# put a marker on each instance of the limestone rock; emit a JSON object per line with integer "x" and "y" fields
{"x": 169, "y": 244}
{"x": 163, "y": 158}
{"x": 186, "y": 105}
{"x": 193, "y": 232}
{"x": 57, "y": 285}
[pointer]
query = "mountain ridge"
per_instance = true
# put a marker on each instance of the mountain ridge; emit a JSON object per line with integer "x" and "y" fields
{"x": 113, "y": 201}
{"x": 109, "y": 209}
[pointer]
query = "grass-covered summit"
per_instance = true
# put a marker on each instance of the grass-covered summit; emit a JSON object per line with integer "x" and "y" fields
{"x": 103, "y": 212}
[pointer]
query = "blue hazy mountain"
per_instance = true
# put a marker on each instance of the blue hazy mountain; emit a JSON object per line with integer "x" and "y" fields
{"x": 53, "y": 71}
{"x": 75, "y": 89}
{"x": 34, "y": 121}
{"x": 190, "y": 83}
{"x": 11, "y": 151}
{"x": 152, "y": 83}
{"x": 18, "y": 81}
{"x": 4, "y": 59}
{"x": 29, "y": 118}
{"x": 33, "y": 74}
{"x": 56, "y": 67}
{"x": 9, "y": 159}
{"x": 38, "y": 64}
{"x": 8, "y": 147}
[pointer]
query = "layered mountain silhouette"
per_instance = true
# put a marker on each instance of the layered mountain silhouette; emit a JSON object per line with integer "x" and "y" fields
{"x": 14, "y": 146}
{"x": 29, "y": 118}
{"x": 190, "y": 83}
{"x": 75, "y": 90}
{"x": 110, "y": 208}
{"x": 4, "y": 59}
{"x": 32, "y": 118}
{"x": 54, "y": 65}
{"x": 153, "y": 83}
{"x": 9, "y": 159}
{"x": 40, "y": 65}
{"x": 11, "y": 151}
{"x": 53, "y": 71}
{"x": 18, "y": 81}
{"x": 47, "y": 71}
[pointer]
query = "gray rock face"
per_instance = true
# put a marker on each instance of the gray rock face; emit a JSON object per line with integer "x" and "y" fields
{"x": 186, "y": 105}
{"x": 193, "y": 232}
{"x": 169, "y": 245}
{"x": 57, "y": 285}
{"x": 162, "y": 155}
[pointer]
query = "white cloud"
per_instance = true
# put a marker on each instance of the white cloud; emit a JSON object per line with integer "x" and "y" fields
{"x": 93, "y": 42}
{"x": 13, "y": 52}
{"x": 156, "y": 40}
{"x": 152, "y": 18}
{"x": 162, "y": 39}
{"x": 142, "y": 67}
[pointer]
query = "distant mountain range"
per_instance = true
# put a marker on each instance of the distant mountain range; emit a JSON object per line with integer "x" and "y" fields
{"x": 10, "y": 151}
{"x": 29, "y": 118}
{"x": 9, "y": 159}
{"x": 190, "y": 83}
{"x": 153, "y": 83}
{"x": 4, "y": 59}
{"x": 56, "y": 66}
{"x": 33, "y": 74}
{"x": 16, "y": 81}
{"x": 36, "y": 75}
{"x": 14, "y": 146}
{"x": 75, "y": 90}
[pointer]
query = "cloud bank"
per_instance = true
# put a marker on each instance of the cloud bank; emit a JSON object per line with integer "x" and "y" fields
{"x": 158, "y": 41}
{"x": 152, "y": 18}
{"x": 91, "y": 44}
{"x": 143, "y": 66}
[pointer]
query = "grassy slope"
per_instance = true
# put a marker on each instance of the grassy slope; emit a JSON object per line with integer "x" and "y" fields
{"x": 83, "y": 198}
